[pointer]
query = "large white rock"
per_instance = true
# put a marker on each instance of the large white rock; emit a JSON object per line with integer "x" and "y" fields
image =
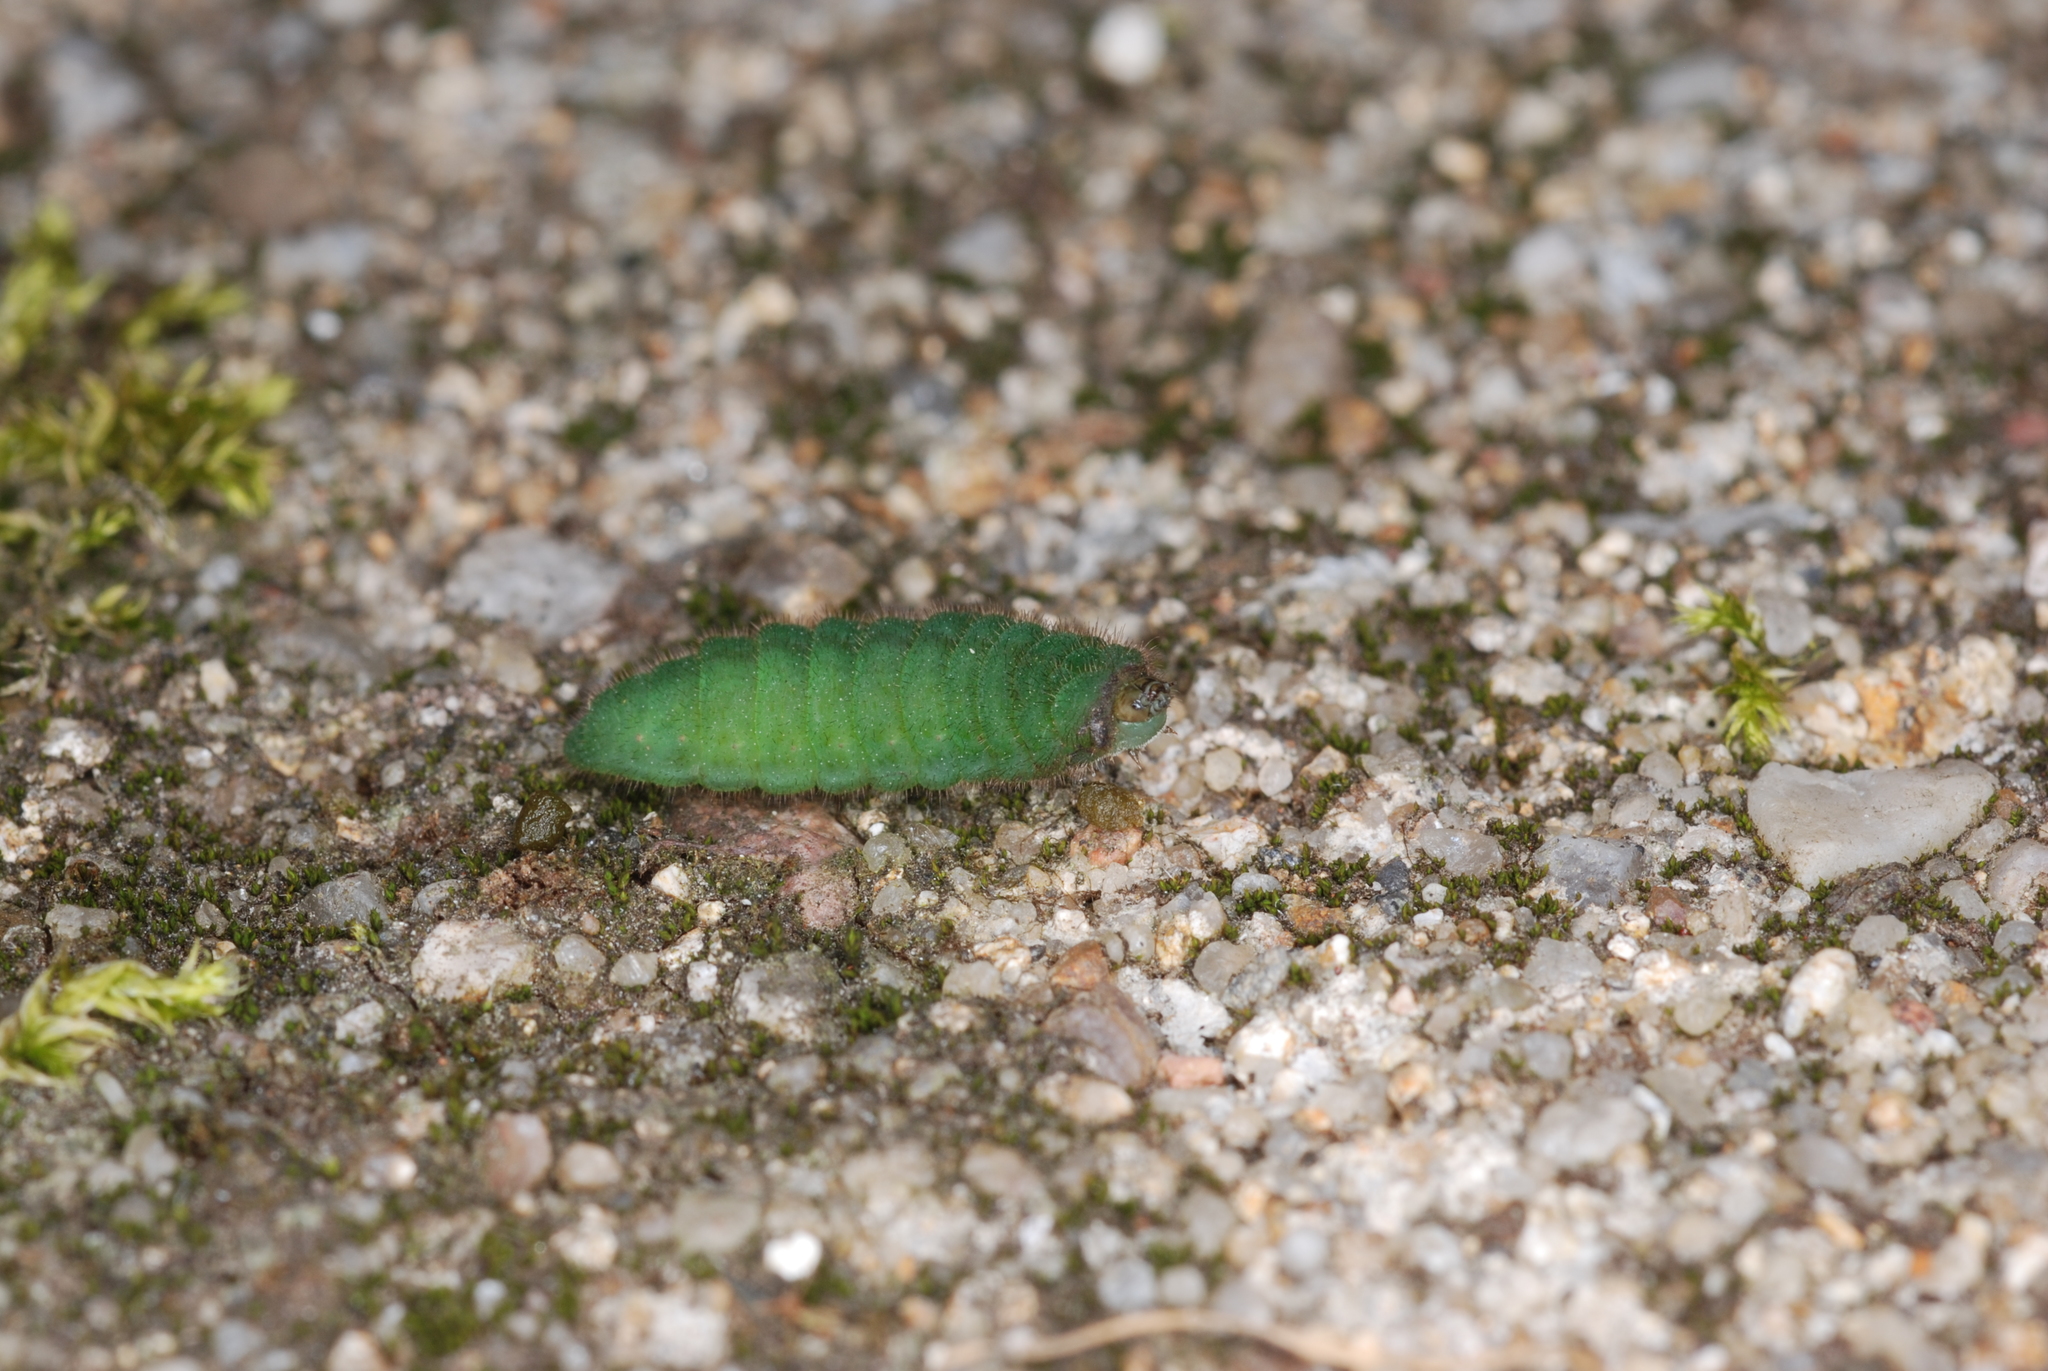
{"x": 1825, "y": 825}
{"x": 467, "y": 960}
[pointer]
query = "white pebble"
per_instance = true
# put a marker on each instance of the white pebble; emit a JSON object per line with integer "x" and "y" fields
{"x": 794, "y": 1256}
{"x": 1128, "y": 44}
{"x": 216, "y": 682}
{"x": 635, "y": 969}
{"x": 1818, "y": 989}
{"x": 577, "y": 956}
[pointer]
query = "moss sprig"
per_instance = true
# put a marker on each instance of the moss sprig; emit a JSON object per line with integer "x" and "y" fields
{"x": 50, "y": 1037}
{"x": 1755, "y": 689}
{"x": 105, "y": 435}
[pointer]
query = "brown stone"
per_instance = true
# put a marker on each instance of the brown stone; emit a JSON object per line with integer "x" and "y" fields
{"x": 1668, "y": 908}
{"x": 1354, "y": 428}
{"x": 1190, "y": 1073}
{"x": 266, "y": 189}
{"x": 803, "y": 578}
{"x": 1084, "y": 967}
{"x": 515, "y": 1154}
{"x": 1314, "y": 920}
{"x": 1110, "y": 1035}
{"x": 1109, "y": 847}
{"x": 802, "y": 833}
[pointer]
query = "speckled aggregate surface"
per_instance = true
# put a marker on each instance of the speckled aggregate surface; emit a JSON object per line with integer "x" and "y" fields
{"x": 1398, "y": 372}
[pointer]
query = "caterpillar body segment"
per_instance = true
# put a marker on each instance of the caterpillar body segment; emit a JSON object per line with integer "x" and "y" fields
{"x": 883, "y": 704}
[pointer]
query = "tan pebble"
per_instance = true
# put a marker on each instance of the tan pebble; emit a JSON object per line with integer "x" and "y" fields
{"x": 1190, "y": 1073}
{"x": 1409, "y": 1083}
{"x": 1085, "y": 966}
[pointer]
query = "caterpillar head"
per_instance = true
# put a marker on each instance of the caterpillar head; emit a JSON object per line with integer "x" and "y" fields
{"x": 1131, "y": 711}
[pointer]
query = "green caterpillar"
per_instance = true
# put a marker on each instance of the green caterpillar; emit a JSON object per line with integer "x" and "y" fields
{"x": 880, "y": 704}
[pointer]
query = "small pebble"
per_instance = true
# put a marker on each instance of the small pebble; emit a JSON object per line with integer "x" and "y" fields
{"x": 515, "y": 1154}
{"x": 586, "y": 1166}
{"x": 1110, "y": 807}
{"x": 543, "y": 823}
{"x": 578, "y": 958}
{"x": 794, "y": 1256}
{"x": 633, "y": 970}
{"x": 1128, "y": 44}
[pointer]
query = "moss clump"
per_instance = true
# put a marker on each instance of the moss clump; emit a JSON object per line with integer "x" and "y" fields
{"x": 49, "y": 1037}
{"x": 1755, "y": 688}
{"x": 107, "y": 431}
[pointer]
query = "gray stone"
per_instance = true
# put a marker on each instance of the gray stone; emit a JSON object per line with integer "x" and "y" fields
{"x": 432, "y": 899}
{"x": 1826, "y": 825}
{"x": 578, "y": 958}
{"x": 1001, "y": 1173}
{"x": 1878, "y": 934}
{"x": 1686, "y": 1090}
{"x": 524, "y": 576}
{"x": 515, "y": 1154}
{"x": 973, "y": 981}
{"x": 1700, "y": 1013}
{"x": 1183, "y": 1286}
{"x": 992, "y": 251}
{"x": 1591, "y": 870}
{"x": 1969, "y": 904}
{"x": 1557, "y": 965}
{"x": 803, "y": 578}
{"x": 1264, "y": 975}
{"x": 1297, "y": 359}
{"x": 1547, "y": 1055}
{"x": 1252, "y": 882}
{"x": 789, "y": 995}
{"x": 1586, "y": 1132}
{"x": 71, "y": 922}
{"x": 885, "y": 852}
{"x": 357, "y": 898}
{"x": 715, "y": 1223}
{"x": 1219, "y": 962}
{"x": 634, "y": 970}
{"x": 1127, "y": 1285}
{"x": 1111, "y": 1036}
{"x": 264, "y": 189}
{"x": 2015, "y": 937}
{"x": 87, "y": 92}
{"x": 1463, "y": 851}
{"x": 1304, "y": 1253}
{"x": 587, "y": 1166}
{"x": 469, "y": 960}
{"x": 1927, "y": 959}
{"x": 1788, "y": 623}
{"x": 1661, "y": 770}
{"x": 338, "y": 253}
{"x": 235, "y": 1342}
{"x": 2015, "y": 879}
{"x": 1824, "y": 1164}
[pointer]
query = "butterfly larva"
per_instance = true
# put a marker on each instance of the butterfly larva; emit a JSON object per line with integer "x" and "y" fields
{"x": 850, "y": 704}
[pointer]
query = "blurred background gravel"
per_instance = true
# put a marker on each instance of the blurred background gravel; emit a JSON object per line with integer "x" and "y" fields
{"x": 1400, "y": 372}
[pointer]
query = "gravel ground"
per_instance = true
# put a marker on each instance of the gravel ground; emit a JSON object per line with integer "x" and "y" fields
{"x": 1400, "y": 373}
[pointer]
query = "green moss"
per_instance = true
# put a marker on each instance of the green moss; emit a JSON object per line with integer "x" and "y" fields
{"x": 439, "y": 1321}
{"x": 105, "y": 435}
